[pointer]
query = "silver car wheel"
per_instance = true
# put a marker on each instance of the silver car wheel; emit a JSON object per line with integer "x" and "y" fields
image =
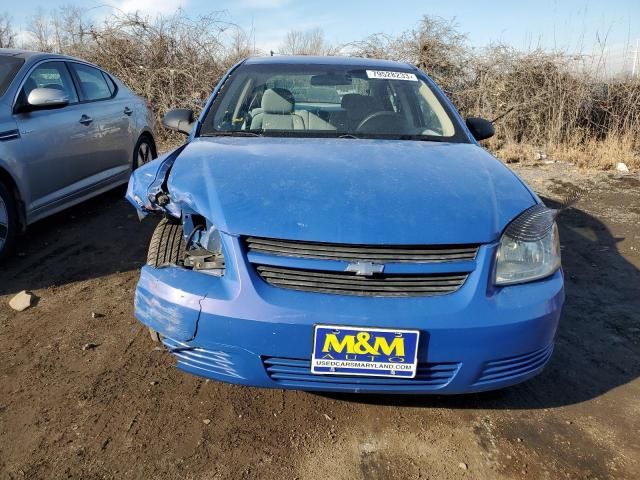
{"x": 144, "y": 153}
{"x": 4, "y": 223}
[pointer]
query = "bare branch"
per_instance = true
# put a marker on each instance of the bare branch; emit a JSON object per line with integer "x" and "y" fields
{"x": 308, "y": 42}
{"x": 7, "y": 33}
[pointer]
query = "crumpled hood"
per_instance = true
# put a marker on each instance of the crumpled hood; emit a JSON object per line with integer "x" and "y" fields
{"x": 347, "y": 190}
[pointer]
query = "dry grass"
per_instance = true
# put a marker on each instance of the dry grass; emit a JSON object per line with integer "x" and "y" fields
{"x": 559, "y": 109}
{"x": 603, "y": 154}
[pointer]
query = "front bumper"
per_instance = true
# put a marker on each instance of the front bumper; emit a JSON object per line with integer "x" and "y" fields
{"x": 241, "y": 330}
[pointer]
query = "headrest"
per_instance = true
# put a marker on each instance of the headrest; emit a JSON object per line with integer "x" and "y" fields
{"x": 277, "y": 100}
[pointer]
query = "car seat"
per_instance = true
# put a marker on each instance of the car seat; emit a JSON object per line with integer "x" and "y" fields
{"x": 277, "y": 112}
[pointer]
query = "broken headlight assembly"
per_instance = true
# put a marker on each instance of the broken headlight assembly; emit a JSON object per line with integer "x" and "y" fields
{"x": 203, "y": 247}
{"x": 529, "y": 248}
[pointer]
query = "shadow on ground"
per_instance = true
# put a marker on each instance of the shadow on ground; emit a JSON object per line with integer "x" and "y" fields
{"x": 597, "y": 347}
{"x": 96, "y": 238}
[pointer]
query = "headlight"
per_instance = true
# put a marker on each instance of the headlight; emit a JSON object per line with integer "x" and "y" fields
{"x": 204, "y": 250}
{"x": 529, "y": 248}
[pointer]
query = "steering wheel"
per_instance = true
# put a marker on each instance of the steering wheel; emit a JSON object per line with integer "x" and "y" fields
{"x": 383, "y": 122}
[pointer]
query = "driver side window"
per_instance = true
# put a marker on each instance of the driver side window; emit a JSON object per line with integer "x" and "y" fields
{"x": 49, "y": 75}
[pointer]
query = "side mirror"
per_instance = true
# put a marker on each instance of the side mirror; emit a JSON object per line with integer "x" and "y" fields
{"x": 480, "y": 128}
{"x": 41, "y": 98}
{"x": 179, "y": 119}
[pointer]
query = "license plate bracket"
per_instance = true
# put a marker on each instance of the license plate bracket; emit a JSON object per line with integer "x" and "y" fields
{"x": 364, "y": 351}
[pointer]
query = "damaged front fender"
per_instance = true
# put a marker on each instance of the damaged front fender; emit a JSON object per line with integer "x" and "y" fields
{"x": 147, "y": 188}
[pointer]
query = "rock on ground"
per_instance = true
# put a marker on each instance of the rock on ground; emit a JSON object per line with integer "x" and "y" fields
{"x": 621, "y": 167}
{"x": 22, "y": 301}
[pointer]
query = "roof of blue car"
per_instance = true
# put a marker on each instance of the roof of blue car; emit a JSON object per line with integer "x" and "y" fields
{"x": 311, "y": 60}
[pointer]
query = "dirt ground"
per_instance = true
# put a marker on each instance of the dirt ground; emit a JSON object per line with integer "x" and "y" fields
{"x": 121, "y": 410}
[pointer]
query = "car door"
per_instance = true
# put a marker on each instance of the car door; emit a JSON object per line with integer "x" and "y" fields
{"x": 113, "y": 120}
{"x": 55, "y": 143}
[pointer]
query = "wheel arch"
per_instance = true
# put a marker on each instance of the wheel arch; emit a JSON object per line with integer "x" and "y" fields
{"x": 10, "y": 182}
{"x": 147, "y": 133}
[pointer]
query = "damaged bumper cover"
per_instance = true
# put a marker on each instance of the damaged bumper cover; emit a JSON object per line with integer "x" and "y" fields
{"x": 239, "y": 329}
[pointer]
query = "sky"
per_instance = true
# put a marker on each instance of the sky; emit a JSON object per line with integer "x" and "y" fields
{"x": 582, "y": 26}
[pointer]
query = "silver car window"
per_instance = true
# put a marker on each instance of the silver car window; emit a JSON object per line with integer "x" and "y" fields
{"x": 92, "y": 82}
{"x": 50, "y": 75}
{"x": 112, "y": 86}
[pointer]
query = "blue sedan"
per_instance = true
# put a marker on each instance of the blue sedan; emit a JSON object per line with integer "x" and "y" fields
{"x": 332, "y": 224}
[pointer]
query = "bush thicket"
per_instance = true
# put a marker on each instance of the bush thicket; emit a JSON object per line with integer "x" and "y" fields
{"x": 547, "y": 101}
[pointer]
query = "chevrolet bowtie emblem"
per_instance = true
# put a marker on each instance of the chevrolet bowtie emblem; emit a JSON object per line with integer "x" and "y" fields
{"x": 365, "y": 269}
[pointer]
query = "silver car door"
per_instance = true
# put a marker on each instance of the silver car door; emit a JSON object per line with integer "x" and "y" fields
{"x": 54, "y": 143}
{"x": 113, "y": 121}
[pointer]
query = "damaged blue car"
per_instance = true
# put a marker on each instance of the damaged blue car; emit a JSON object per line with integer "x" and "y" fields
{"x": 333, "y": 224}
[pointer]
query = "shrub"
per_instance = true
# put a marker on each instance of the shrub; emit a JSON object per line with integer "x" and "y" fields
{"x": 550, "y": 102}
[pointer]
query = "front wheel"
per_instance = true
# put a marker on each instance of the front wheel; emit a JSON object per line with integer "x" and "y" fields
{"x": 144, "y": 151}
{"x": 167, "y": 245}
{"x": 8, "y": 221}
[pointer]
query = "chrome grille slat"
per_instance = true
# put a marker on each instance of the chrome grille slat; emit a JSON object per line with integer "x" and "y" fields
{"x": 347, "y": 283}
{"x": 373, "y": 253}
{"x": 322, "y": 276}
{"x": 318, "y": 279}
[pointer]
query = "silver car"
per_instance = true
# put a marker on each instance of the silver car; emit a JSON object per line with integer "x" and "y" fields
{"x": 68, "y": 131}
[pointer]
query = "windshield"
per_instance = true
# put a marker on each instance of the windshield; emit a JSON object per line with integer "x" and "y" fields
{"x": 9, "y": 66}
{"x": 330, "y": 100}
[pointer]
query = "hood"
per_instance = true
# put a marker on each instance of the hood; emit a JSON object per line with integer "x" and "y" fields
{"x": 348, "y": 190}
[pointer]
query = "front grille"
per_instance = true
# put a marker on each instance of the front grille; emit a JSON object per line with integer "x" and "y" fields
{"x": 370, "y": 253}
{"x": 347, "y": 283}
{"x": 296, "y": 373}
{"x": 511, "y": 367}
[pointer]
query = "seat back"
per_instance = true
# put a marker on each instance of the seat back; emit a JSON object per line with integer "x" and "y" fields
{"x": 313, "y": 121}
{"x": 277, "y": 112}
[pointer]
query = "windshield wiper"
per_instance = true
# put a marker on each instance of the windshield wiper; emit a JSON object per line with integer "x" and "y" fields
{"x": 238, "y": 133}
{"x": 421, "y": 138}
{"x": 424, "y": 138}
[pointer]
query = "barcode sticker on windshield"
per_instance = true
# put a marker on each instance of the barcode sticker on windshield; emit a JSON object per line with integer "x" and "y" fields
{"x": 387, "y": 75}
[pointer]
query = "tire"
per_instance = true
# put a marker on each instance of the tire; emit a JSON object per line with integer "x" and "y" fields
{"x": 8, "y": 221}
{"x": 167, "y": 245}
{"x": 144, "y": 151}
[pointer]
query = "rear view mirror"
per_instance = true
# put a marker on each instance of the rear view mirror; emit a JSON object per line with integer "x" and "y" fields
{"x": 47, "y": 98}
{"x": 179, "y": 119}
{"x": 480, "y": 128}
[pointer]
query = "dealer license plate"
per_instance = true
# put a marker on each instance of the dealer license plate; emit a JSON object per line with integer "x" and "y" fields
{"x": 355, "y": 351}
